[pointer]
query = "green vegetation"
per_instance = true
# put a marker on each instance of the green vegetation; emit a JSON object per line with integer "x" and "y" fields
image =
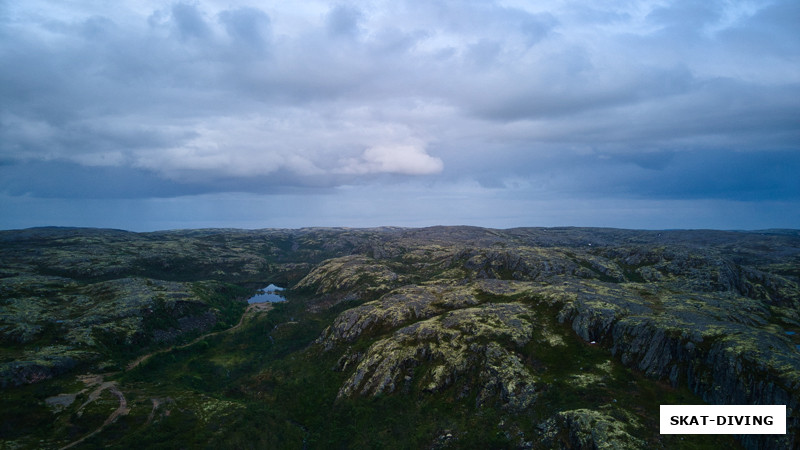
{"x": 433, "y": 338}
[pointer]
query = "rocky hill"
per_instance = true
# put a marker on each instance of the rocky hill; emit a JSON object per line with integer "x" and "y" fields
{"x": 442, "y": 337}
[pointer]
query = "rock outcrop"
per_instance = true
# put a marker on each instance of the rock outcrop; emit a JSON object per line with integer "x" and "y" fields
{"x": 586, "y": 429}
{"x": 450, "y": 347}
{"x": 400, "y": 306}
{"x": 348, "y": 273}
{"x": 702, "y": 343}
{"x": 558, "y": 337}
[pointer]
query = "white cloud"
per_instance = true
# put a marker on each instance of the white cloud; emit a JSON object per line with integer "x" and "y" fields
{"x": 398, "y": 159}
{"x": 226, "y": 96}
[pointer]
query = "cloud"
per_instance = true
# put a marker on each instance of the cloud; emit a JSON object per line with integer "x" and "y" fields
{"x": 189, "y": 21}
{"x": 205, "y": 97}
{"x": 397, "y": 159}
{"x": 248, "y": 27}
{"x": 343, "y": 20}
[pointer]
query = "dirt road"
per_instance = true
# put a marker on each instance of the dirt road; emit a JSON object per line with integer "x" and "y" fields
{"x": 123, "y": 409}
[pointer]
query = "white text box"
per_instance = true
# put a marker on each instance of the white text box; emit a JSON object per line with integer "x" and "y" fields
{"x": 723, "y": 419}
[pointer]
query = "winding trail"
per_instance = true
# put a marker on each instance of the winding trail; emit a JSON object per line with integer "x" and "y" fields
{"x": 123, "y": 409}
{"x": 251, "y": 309}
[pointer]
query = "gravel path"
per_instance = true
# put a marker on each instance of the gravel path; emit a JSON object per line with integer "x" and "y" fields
{"x": 111, "y": 386}
{"x": 121, "y": 410}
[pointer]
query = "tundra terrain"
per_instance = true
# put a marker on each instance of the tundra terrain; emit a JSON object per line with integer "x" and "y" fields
{"x": 442, "y": 337}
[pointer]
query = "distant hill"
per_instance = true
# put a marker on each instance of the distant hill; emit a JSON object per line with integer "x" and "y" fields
{"x": 439, "y": 337}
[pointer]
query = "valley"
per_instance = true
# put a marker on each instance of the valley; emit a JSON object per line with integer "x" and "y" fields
{"x": 441, "y": 337}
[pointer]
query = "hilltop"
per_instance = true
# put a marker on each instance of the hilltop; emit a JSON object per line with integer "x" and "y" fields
{"x": 441, "y": 337}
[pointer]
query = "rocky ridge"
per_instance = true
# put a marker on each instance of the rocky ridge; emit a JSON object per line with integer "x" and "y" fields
{"x": 696, "y": 318}
{"x": 500, "y": 320}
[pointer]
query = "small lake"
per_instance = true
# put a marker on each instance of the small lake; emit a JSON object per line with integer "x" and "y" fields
{"x": 271, "y": 294}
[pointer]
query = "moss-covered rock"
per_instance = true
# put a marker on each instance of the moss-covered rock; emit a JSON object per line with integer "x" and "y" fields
{"x": 509, "y": 337}
{"x": 586, "y": 429}
{"x": 400, "y": 306}
{"x": 349, "y": 273}
{"x": 473, "y": 347}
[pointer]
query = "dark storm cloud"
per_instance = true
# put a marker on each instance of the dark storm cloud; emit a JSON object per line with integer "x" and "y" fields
{"x": 735, "y": 176}
{"x": 189, "y": 21}
{"x": 642, "y": 99}
{"x": 59, "y": 179}
{"x": 685, "y": 16}
{"x": 71, "y": 180}
{"x": 248, "y": 27}
{"x": 343, "y": 20}
{"x": 711, "y": 174}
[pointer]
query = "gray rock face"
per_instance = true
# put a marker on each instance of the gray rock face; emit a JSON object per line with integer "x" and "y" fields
{"x": 702, "y": 271}
{"x": 687, "y": 314}
{"x": 520, "y": 264}
{"x": 585, "y": 429}
{"x": 401, "y": 306}
{"x": 722, "y": 361}
{"x": 450, "y": 346}
{"x": 348, "y": 272}
{"x": 457, "y": 315}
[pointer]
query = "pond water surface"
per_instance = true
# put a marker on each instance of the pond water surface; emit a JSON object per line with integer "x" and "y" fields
{"x": 270, "y": 294}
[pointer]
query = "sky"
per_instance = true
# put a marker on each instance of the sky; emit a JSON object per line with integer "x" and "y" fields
{"x": 151, "y": 115}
